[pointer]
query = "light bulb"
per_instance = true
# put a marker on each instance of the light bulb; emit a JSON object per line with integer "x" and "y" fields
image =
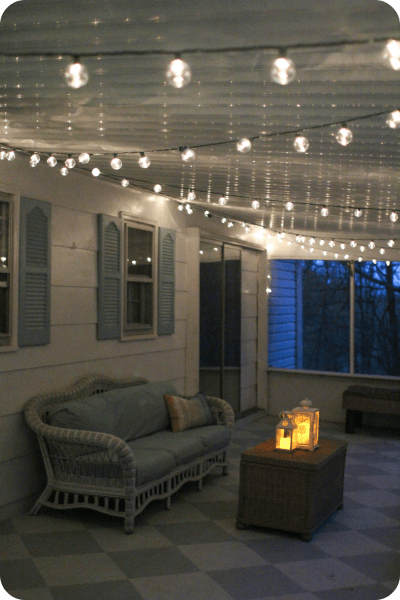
{"x": 124, "y": 183}
{"x": 301, "y": 143}
{"x": 343, "y": 246}
{"x": 387, "y": 263}
{"x": 346, "y": 256}
{"x": 311, "y": 249}
{"x": 390, "y": 243}
{"x": 70, "y": 162}
{"x": 84, "y": 158}
{"x": 188, "y": 154}
{"x": 76, "y": 74}
{"x": 230, "y": 224}
{"x": 178, "y": 73}
{"x": 157, "y": 188}
{"x": 358, "y": 212}
{"x": 353, "y": 244}
{"x": 34, "y": 159}
{"x": 382, "y": 251}
{"x": 371, "y": 245}
{"x": 311, "y": 241}
{"x": 324, "y": 211}
{"x": 3, "y": 154}
{"x": 393, "y": 216}
{"x": 189, "y": 209}
{"x": 344, "y": 136}
{"x": 359, "y": 259}
{"x": 95, "y": 172}
{"x": 116, "y": 163}
{"x": 64, "y": 171}
{"x": 243, "y": 145}
{"x": 52, "y": 161}
{"x": 289, "y": 206}
{"x": 223, "y": 220}
{"x": 393, "y": 119}
{"x": 255, "y": 204}
{"x": 322, "y": 242}
{"x": 222, "y": 201}
{"x": 144, "y": 161}
{"x": 283, "y": 70}
{"x": 332, "y": 244}
{"x": 336, "y": 255}
{"x": 207, "y": 214}
{"x": 191, "y": 195}
{"x": 324, "y": 253}
{"x": 362, "y": 248}
{"x": 391, "y": 54}
{"x": 10, "y": 155}
{"x": 180, "y": 207}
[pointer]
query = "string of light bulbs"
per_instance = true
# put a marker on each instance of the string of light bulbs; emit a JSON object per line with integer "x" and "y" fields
{"x": 178, "y": 73}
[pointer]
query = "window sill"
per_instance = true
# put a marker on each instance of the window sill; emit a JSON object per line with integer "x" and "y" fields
{"x": 333, "y": 374}
{"x": 137, "y": 336}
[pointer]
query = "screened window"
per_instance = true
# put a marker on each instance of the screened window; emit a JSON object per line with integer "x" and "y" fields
{"x": 139, "y": 279}
{"x": 317, "y": 323}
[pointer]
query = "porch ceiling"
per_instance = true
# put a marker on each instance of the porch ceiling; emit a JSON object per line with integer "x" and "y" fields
{"x": 127, "y": 106}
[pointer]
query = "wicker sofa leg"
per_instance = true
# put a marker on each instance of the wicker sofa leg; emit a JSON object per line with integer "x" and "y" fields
{"x": 43, "y": 496}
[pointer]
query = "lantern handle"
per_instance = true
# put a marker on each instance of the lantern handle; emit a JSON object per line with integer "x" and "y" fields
{"x": 285, "y": 414}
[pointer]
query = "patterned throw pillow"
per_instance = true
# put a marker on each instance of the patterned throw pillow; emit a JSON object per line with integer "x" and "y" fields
{"x": 188, "y": 413}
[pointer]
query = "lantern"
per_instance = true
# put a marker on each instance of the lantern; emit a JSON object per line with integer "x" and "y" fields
{"x": 286, "y": 433}
{"x": 307, "y": 421}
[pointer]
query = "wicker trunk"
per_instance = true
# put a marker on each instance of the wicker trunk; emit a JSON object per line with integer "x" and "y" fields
{"x": 291, "y": 491}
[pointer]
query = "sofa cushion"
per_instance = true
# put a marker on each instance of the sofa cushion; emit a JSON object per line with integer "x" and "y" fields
{"x": 213, "y": 437}
{"x": 184, "y": 449}
{"x": 188, "y": 413}
{"x": 127, "y": 413}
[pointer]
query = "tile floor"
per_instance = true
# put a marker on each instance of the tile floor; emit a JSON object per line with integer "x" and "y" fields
{"x": 194, "y": 551}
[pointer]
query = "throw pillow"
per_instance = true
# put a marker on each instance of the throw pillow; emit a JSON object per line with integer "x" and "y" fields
{"x": 188, "y": 413}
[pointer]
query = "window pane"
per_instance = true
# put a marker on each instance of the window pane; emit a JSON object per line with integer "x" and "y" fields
{"x": 326, "y": 315}
{"x": 140, "y": 252}
{"x": 377, "y": 318}
{"x": 139, "y": 305}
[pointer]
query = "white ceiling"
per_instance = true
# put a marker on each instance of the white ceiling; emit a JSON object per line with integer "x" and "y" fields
{"x": 127, "y": 107}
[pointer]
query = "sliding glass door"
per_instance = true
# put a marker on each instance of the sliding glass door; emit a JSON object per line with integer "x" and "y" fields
{"x": 220, "y": 321}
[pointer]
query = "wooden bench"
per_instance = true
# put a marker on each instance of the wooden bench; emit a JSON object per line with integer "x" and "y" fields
{"x": 359, "y": 398}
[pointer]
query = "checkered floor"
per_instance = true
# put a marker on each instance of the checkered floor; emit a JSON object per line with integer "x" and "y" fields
{"x": 194, "y": 551}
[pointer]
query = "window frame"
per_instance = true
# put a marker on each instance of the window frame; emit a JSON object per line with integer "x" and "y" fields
{"x": 13, "y": 269}
{"x": 351, "y": 374}
{"x": 133, "y": 332}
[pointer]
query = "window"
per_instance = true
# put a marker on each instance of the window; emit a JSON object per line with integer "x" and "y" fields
{"x": 139, "y": 279}
{"x": 5, "y": 223}
{"x": 322, "y": 313}
{"x": 129, "y": 279}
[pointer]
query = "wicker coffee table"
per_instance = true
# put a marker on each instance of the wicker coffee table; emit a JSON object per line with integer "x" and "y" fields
{"x": 291, "y": 491}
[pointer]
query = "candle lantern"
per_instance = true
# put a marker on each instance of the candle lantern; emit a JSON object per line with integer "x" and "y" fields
{"x": 286, "y": 433}
{"x": 307, "y": 421}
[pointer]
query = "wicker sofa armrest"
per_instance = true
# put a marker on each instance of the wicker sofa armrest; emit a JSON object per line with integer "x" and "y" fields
{"x": 92, "y": 440}
{"x": 221, "y": 411}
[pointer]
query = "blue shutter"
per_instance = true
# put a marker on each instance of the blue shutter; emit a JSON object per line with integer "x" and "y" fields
{"x": 166, "y": 281}
{"x": 109, "y": 278}
{"x": 34, "y": 273}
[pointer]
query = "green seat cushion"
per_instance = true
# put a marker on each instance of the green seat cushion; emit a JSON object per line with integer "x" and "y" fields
{"x": 127, "y": 413}
{"x": 183, "y": 449}
{"x": 213, "y": 437}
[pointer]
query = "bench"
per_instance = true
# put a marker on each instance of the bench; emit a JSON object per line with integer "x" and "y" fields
{"x": 359, "y": 398}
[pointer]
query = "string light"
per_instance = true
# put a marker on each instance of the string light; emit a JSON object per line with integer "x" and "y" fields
{"x": 180, "y": 207}
{"x": 393, "y": 119}
{"x": 10, "y": 156}
{"x": 301, "y": 143}
{"x": 116, "y": 163}
{"x": 344, "y": 136}
{"x": 255, "y": 204}
{"x": 76, "y": 74}
{"x": 34, "y": 159}
{"x": 371, "y": 245}
{"x": 283, "y": 70}
{"x": 84, "y": 158}
{"x": 394, "y": 217}
{"x": 70, "y": 162}
{"x": 178, "y": 73}
{"x": 243, "y": 145}
{"x": 324, "y": 211}
{"x": 124, "y": 183}
{"x": 64, "y": 171}
{"x": 187, "y": 154}
{"x": 289, "y": 206}
{"x": 95, "y": 172}
{"x": 353, "y": 244}
{"x": 358, "y": 213}
{"x": 191, "y": 195}
{"x": 332, "y": 243}
{"x": 51, "y": 161}
{"x": 390, "y": 243}
{"x": 222, "y": 201}
{"x": 144, "y": 161}
{"x": 382, "y": 251}
{"x": 391, "y": 54}
{"x": 157, "y": 188}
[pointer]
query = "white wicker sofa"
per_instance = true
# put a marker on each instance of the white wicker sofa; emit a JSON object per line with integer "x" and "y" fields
{"x": 100, "y": 470}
